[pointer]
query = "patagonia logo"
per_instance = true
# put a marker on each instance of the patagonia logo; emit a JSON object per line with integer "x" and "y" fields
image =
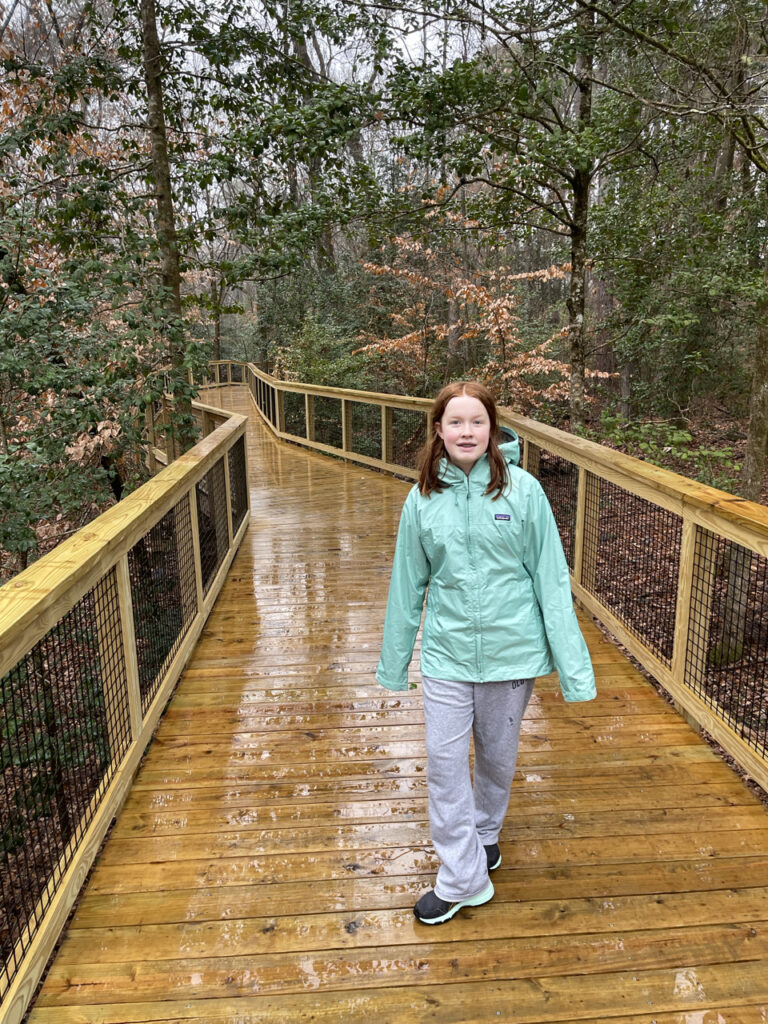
{"x": 501, "y": 515}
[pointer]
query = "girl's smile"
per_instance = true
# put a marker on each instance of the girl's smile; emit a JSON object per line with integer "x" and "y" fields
{"x": 465, "y": 429}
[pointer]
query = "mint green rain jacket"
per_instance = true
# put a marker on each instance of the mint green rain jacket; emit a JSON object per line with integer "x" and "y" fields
{"x": 499, "y": 600}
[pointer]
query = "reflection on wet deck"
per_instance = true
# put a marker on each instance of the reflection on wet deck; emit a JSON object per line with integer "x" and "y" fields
{"x": 266, "y": 862}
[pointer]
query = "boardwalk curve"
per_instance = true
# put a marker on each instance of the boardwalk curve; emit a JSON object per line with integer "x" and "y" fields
{"x": 265, "y": 864}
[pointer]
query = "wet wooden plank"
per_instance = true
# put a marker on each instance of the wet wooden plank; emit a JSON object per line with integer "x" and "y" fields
{"x": 597, "y": 818}
{"x": 571, "y": 882}
{"x": 222, "y": 808}
{"x": 249, "y": 836}
{"x": 280, "y": 932}
{"x": 576, "y": 997}
{"x": 422, "y": 963}
{"x": 267, "y": 860}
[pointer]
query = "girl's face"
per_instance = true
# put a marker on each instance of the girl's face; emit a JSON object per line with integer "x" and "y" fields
{"x": 465, "y": 429}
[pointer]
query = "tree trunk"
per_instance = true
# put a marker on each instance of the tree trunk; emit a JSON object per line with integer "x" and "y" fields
{"x": 577, "y": 300}
{"x": 753, "y": 471}
{"x": 170, "y": 270}
{"x": 626, "y": 373}
{"x": 582, "y": 180}
{"x": 454, "y": 334}
{"x": 325, "y": 255}
{"x": 730, "y": 642}
{"x": 217, "y": 294}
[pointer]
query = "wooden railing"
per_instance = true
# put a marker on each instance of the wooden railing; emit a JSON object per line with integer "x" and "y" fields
{"x": 677, "y": 571}
{"x": 93, "y": 638}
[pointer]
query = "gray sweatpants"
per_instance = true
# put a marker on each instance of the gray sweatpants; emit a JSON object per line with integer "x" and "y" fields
{"x": 465, "y": 818}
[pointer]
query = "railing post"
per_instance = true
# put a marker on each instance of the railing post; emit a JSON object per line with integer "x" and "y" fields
{"x": 695, "y": 592}
{"x": 586, "y": 566}
{"x": 189, "y": 602}
{"x": 578, "y": 526}
{"x": 387, "y": 435}
{"x": 280, "y": 410}
{"x": 196, "y": 548}
{"x": 228, "y": 492}
{"x": 309, "y": 416}
{"x": 346, "y": 425}
{"x": 125, "y": 602}
{"x": 531, "y": 458}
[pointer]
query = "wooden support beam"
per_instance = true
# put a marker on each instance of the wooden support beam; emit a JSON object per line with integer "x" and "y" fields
{"x": 309, "y": 417}
{"x": 129, "y": 646}
{"x": 346, "y": 425}
{"x": 387, "y": 434}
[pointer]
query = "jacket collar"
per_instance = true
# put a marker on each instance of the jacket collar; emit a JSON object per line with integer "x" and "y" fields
{"x": 480, "y": 475}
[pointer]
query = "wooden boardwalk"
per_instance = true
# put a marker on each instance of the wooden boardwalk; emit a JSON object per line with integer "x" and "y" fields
{"x": 266, "y": 862}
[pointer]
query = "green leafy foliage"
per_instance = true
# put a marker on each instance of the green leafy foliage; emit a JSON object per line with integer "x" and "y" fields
{"x": 668, "y": 445}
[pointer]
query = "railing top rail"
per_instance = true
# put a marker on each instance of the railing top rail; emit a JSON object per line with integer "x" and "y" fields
{"x": 351, "y": 395}
{"x": 709, "y": 505}
{"x": 633, "y": 474}
{"x": 213, "y": 410}
{"x": 41, "y": 594}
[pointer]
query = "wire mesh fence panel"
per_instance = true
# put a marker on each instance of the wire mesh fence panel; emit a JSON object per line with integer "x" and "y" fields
{"x": 631, "y": 562}
{"x": 65, "y": 725}
{"x": 560, "y": 482}
{"x": 366, "y": 429}
{"x": 164, "y": 595}
{"x": 328, "y": 421}
{"x": 223, "y": 373}
{"x": 295, "y": 413}
{"x": 236, "y": 373}
{"x": 212, "y": 522}
{"x": 727, "y": 653}
{"x": 238, "y": 483}
{"x": 409, "y": 432}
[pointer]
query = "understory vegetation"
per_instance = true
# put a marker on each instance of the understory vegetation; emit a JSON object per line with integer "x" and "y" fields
{"x": 566, "y": 200}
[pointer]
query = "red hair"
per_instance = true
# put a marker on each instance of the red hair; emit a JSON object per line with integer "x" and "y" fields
{"x": 434, "y": 451}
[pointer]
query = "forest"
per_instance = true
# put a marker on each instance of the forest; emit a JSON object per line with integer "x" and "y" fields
{"x": 566, "y": 199}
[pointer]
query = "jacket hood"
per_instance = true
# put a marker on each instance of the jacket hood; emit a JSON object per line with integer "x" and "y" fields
{"x": 510, "y": 449}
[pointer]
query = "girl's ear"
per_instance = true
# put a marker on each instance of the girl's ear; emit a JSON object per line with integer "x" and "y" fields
{"x": 438, "y": 431}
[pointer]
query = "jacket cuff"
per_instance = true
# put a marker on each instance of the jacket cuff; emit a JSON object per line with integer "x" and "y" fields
{"x": 577, "y": 696}
{"x": 390, "y": 684}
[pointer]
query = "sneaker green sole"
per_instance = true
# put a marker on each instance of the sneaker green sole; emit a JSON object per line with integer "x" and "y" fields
{"x": 453, "y": 908}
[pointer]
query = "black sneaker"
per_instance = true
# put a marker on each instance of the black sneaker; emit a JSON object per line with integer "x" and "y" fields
{"x": 494, "y": 856}
{"x": 432, "y": 910}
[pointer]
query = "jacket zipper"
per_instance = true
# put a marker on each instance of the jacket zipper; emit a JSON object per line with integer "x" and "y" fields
{"x": 475, "y": 596}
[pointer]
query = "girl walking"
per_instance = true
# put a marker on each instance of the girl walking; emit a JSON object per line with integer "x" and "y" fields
{"x": 478, "y": 532}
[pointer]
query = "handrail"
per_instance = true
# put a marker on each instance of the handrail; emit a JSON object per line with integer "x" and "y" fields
{"x": 676, "y": 570}
{"x": 96, "y": 633}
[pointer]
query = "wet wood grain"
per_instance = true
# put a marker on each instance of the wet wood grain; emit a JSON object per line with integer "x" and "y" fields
{"x": 266, "y": 862}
